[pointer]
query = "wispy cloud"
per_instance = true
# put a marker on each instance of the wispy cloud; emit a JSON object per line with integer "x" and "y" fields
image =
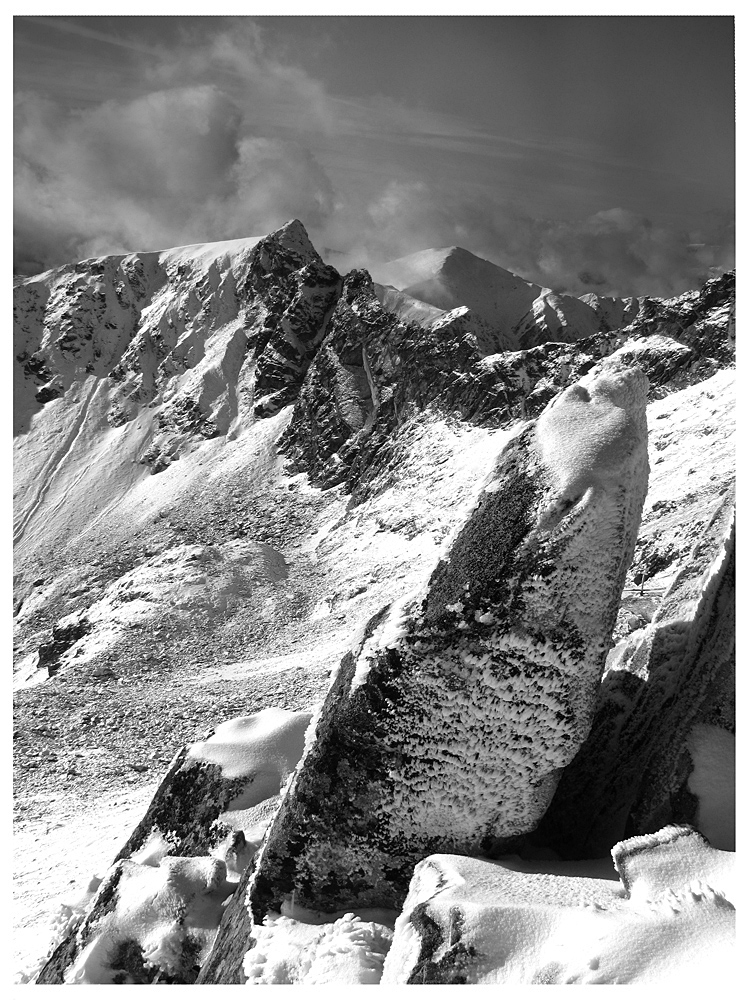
{"x": 81, "y": 31}
{"x": 226, "y": 139}
{"x": 612, "y": 252}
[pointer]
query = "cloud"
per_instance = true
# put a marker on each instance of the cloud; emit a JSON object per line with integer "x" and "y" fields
{"x": 612, "y": 252}
{"x": 169, "y": 168}
{"x": 618, "y": 252}
{"x": 220, "y": 145}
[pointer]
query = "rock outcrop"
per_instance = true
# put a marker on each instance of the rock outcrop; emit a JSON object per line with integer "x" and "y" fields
{"x": 370, "y": 372}
{"x": 448, "y": 725}
{"x": 663, "y": 734}
{"x": 669, "y": 920}
{"x": 184, "y": 857}
{"x": 374, "y": 371}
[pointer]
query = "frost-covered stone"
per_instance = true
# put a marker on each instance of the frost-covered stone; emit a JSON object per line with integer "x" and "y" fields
{"x": 150, "y": 922}
{"x": 671, "y": 921}
{"x": 204, "y": 823}
{"x": 447, "y": 726}
{"x": 661, "y": 748}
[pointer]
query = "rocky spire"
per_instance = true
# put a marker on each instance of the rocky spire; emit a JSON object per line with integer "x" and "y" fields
{"x": 447, "y": 726}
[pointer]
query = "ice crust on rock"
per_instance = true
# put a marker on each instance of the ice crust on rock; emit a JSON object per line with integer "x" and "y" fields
{"x": 582, "y": 433}
{"x": 455, "y": 732}
{"x": 665, "y": 708}
{"x": 471, "y": 921}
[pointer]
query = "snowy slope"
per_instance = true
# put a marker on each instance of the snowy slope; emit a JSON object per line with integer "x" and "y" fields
{"x": 166, "y": 551}
{"x": 524, "y": 312}
{"x": 141, "y": 359}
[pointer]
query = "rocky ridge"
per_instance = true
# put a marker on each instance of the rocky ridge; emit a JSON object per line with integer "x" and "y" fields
{"x": 367, "y": 385}
{"x": 489, "y": 666}
{"x": 524, "y": 314}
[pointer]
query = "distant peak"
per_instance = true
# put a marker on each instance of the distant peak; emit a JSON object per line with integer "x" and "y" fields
{"x": 292, "y": 228}
{"x": 293, "y": 236}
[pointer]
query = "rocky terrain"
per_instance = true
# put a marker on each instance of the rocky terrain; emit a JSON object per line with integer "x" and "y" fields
{"x": 229, "y": 459}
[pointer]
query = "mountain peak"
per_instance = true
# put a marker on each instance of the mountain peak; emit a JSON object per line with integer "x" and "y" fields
{"x": 293, "y": 236}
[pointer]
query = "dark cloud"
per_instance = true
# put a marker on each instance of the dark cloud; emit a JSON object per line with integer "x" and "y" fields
{"x": 219, "y": 145}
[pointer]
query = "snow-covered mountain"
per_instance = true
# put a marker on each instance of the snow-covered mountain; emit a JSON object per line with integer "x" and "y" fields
{"x": 524, "y": 314}
{"x": 235, "y": 465}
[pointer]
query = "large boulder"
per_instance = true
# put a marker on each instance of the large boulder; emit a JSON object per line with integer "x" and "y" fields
{"x": 447, "y": 726}
{"x": 154, "y": 916}
{"x": 661, "y": 748}
{"x": 668, "y": 920}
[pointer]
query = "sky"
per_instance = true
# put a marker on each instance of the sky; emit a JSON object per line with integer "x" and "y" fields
{"x": 584, "y": 153}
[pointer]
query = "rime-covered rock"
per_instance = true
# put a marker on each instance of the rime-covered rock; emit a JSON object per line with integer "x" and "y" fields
{"x": 661, "y": 748}
{"x": 670, "y": 920}
{"x": 447, "y": 726}
{"x": 156, "y": 912}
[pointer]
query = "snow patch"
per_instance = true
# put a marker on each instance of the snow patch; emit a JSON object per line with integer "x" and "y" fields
{"x": 346, "y": 951}
{"x": 491, "y": 923}
{"x": 265, "y": 747}
{"x": 165, "y": 917}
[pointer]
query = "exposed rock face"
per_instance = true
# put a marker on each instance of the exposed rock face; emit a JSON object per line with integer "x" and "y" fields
{"x": 202, "y": 333}
{"x": 299, "y": 292}
{"x": 665, "y": 706}
{"x": 467, "y": 921}
{"x": 702, "y": 319}
{"x": 447, "y": 726}
{"x": 369, "y": 370}
{"x": 343, "y": 426}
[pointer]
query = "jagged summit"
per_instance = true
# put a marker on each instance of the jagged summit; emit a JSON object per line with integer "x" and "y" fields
{"x": 292, "y": 236}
